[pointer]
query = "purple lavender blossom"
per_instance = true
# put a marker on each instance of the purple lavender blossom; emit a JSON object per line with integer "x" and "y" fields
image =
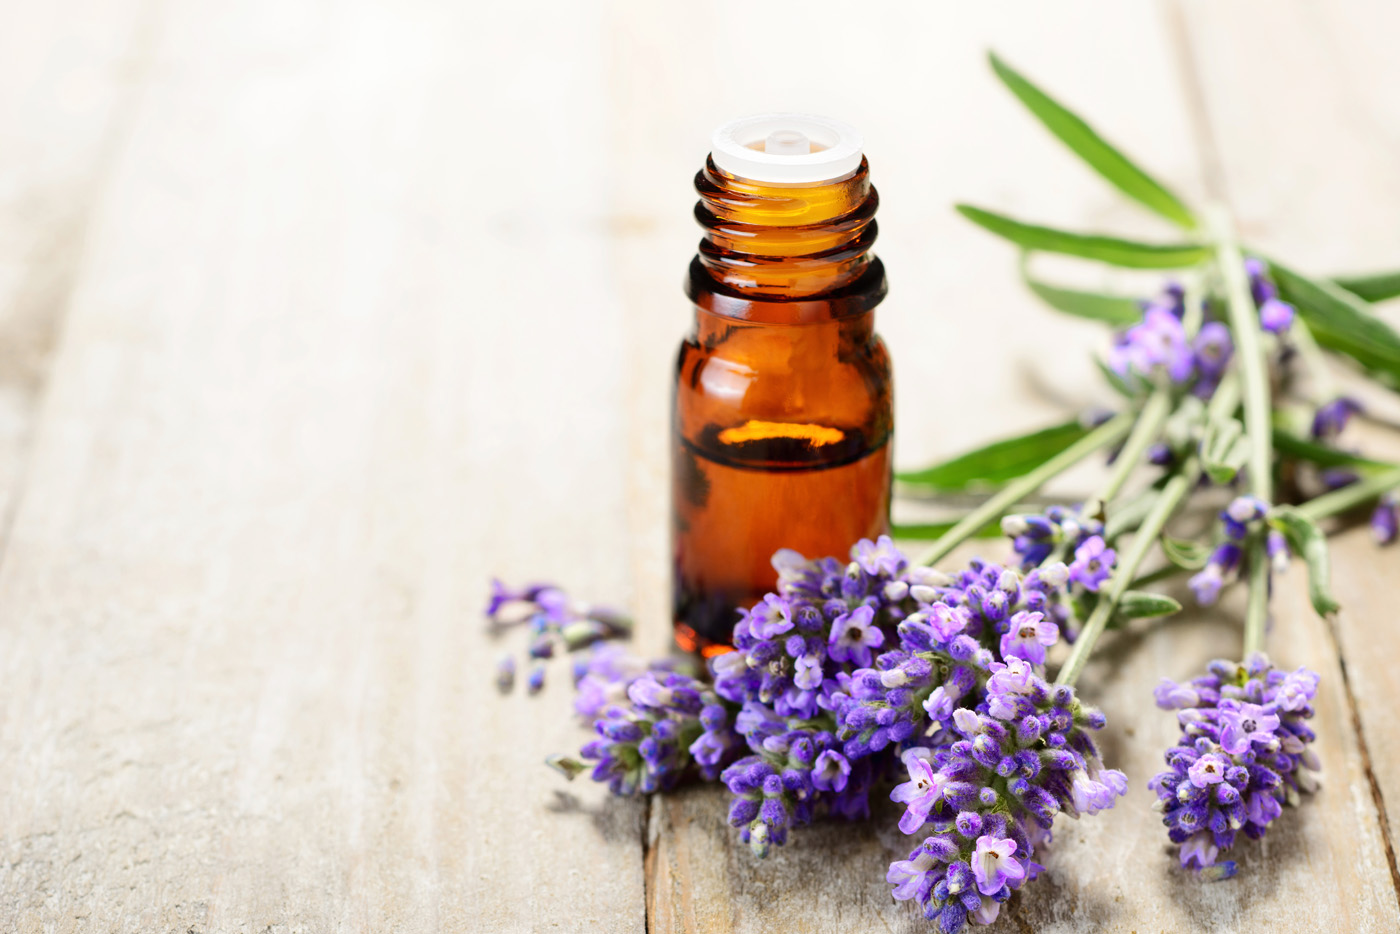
{"x": 1261, "y": 287}
{"x": 1385, "y": 520}
{"x": 1275, "y": 316}
{"x": 1093, "y": 564}
{"x": 1029, "y": 636}
{"x": 1157, "y": 345}
{"x": 1213, "y": 348}
{"x": 993, "y": 792}
{"x": 1244, "y": 751}
{"x": 1331, "y": 418}
{"x": 1223, "y": 563}
{"x": 669, "y": 727}
{"x": 920, "y": 794}
{"x": 554, "y": 622}
{"x": 1035, "y": 537}
{"x": 993, "y": 865}
{"x": 853, "y": 635}
{"x": 1242, "y": 516}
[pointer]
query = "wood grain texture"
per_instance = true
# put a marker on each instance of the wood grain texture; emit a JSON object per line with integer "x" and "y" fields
{"x": 369, "y": 301}
{"x": 1313, "y": 176}
{"x": 317, "y": 358}
{"x": 70, "y": 77}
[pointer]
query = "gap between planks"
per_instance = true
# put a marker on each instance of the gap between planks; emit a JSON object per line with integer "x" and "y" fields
{"x": 1213, "y": 174}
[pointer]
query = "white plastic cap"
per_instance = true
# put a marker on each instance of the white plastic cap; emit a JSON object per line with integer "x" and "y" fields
{"x": 787, "y": 149}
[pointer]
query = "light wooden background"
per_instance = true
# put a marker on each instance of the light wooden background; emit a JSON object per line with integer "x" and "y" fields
{"x": 315, "y": 315}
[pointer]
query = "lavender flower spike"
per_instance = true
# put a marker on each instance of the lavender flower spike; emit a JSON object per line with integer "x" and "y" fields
{"x": 1244, "y": 752}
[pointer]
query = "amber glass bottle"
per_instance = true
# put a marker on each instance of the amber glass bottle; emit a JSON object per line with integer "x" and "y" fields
{"x": 782, "y": 419}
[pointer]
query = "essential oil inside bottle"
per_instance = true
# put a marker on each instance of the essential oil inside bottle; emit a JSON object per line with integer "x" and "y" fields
{"x": 782, "y": 416}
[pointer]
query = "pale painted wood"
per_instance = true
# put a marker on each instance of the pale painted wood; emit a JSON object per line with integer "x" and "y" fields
{"x": 1113, "y": 871}
{"x": 342, "y": 346}
{"x": 70, "y": 74}
{"x": 1313, "y": 175}
{"x": 379, "y": 299}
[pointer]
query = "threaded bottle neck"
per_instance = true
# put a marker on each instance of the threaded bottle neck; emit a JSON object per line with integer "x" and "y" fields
{"x": 795, "y": 242}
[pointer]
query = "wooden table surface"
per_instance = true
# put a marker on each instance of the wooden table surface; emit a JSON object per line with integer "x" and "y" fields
{"x": 313, "y": 316}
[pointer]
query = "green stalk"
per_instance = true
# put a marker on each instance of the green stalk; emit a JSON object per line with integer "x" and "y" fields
{"x": 1222, "y": 404}
{"x": 1148, "y": 426}
{"x": 1249, "y": 351}
{"x": 1324, "y": 386}
{"x": 1258, "y": 409}
{"x": 1349, "y": 497}
{"x": 1256, "y": 612}
{"x": 1129, "y": 516}
{"x": 1110, "y": 432}
{"x": 1167, "y": 501}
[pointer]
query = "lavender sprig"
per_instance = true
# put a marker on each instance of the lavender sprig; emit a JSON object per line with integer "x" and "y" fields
{"x": 1244, "y": 751}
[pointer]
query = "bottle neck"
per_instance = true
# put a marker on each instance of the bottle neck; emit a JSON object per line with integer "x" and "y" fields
{"x": 795, "y": 247}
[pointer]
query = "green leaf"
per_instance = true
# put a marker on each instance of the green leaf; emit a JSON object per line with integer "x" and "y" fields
{"x": 1119, "y": 384}
{"x": 1141, "y": 604}
{"x": 1307, "y": 540}
{"x": 1291, "y": 445}
{"x": 1116, "y": 310}
{"x": 1375, "y": 287}
{"x": 1111, "y": 250}
{"x": 996, "y": 463}
{"x": 1224, "y": 450}
{"x": 1183, "y": 553}
{"x": 1342, "y": 322}
{"x": 566, "y": 766}
{"x": 1115, "y": 167}
{"x": 931, "y": 531}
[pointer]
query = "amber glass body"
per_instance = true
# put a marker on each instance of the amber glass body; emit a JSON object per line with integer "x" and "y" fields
{"x": 782, "y": 422}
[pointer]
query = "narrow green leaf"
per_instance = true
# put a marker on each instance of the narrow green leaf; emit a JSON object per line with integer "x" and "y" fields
{"x": 1307, "y": 540}
{"x": 930, "y": 531}
{"x": 996, "y": 463}
{"x": 1111, "y": 250}
{"x": 1375, "y": 287}
{"x": 1116, "y": 168}
{"x": 1186, "y": 554}
{"x": 1342, "y": 322}
{"x": 1224, "y": 449}
{"x": 1116, "y": 310}
{"x": 1119, "y": 384}
{"x": 1141, "y": 604}
{"x": 1290, "y": 445}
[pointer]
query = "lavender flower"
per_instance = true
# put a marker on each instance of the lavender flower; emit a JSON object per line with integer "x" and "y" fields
{"x": 1244, "y": 751}
{"x": 554, "y": 621}
{"x": 1385, "y": 520}
{"x": 1243, "y": 518}
{"x": 1331, "y": 418}
{"x": 1029, "y": 635}
{"x": 795, "y": 651}
{"x": 1275, "y": 315}
{"x": 1213, "y": 349}
{"x": 1036, "y": 537}
{"x": 1017, "y": 760}
{"x": 669, "y": 726}
{"x": 1156, "y": 346}
{"x": 1223, "y": 564}
{"x": 1093, "y": 564}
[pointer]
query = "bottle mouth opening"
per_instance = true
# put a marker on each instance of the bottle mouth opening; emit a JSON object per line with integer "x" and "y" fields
{"x": 787, "y": 149}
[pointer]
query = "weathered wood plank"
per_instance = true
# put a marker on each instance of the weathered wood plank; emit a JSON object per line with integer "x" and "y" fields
{"x": 1310, "y": 168}
{"x": 1112, "y": 872}
{"x": 343, "y": 345}
{"x": 70, "y": 74}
